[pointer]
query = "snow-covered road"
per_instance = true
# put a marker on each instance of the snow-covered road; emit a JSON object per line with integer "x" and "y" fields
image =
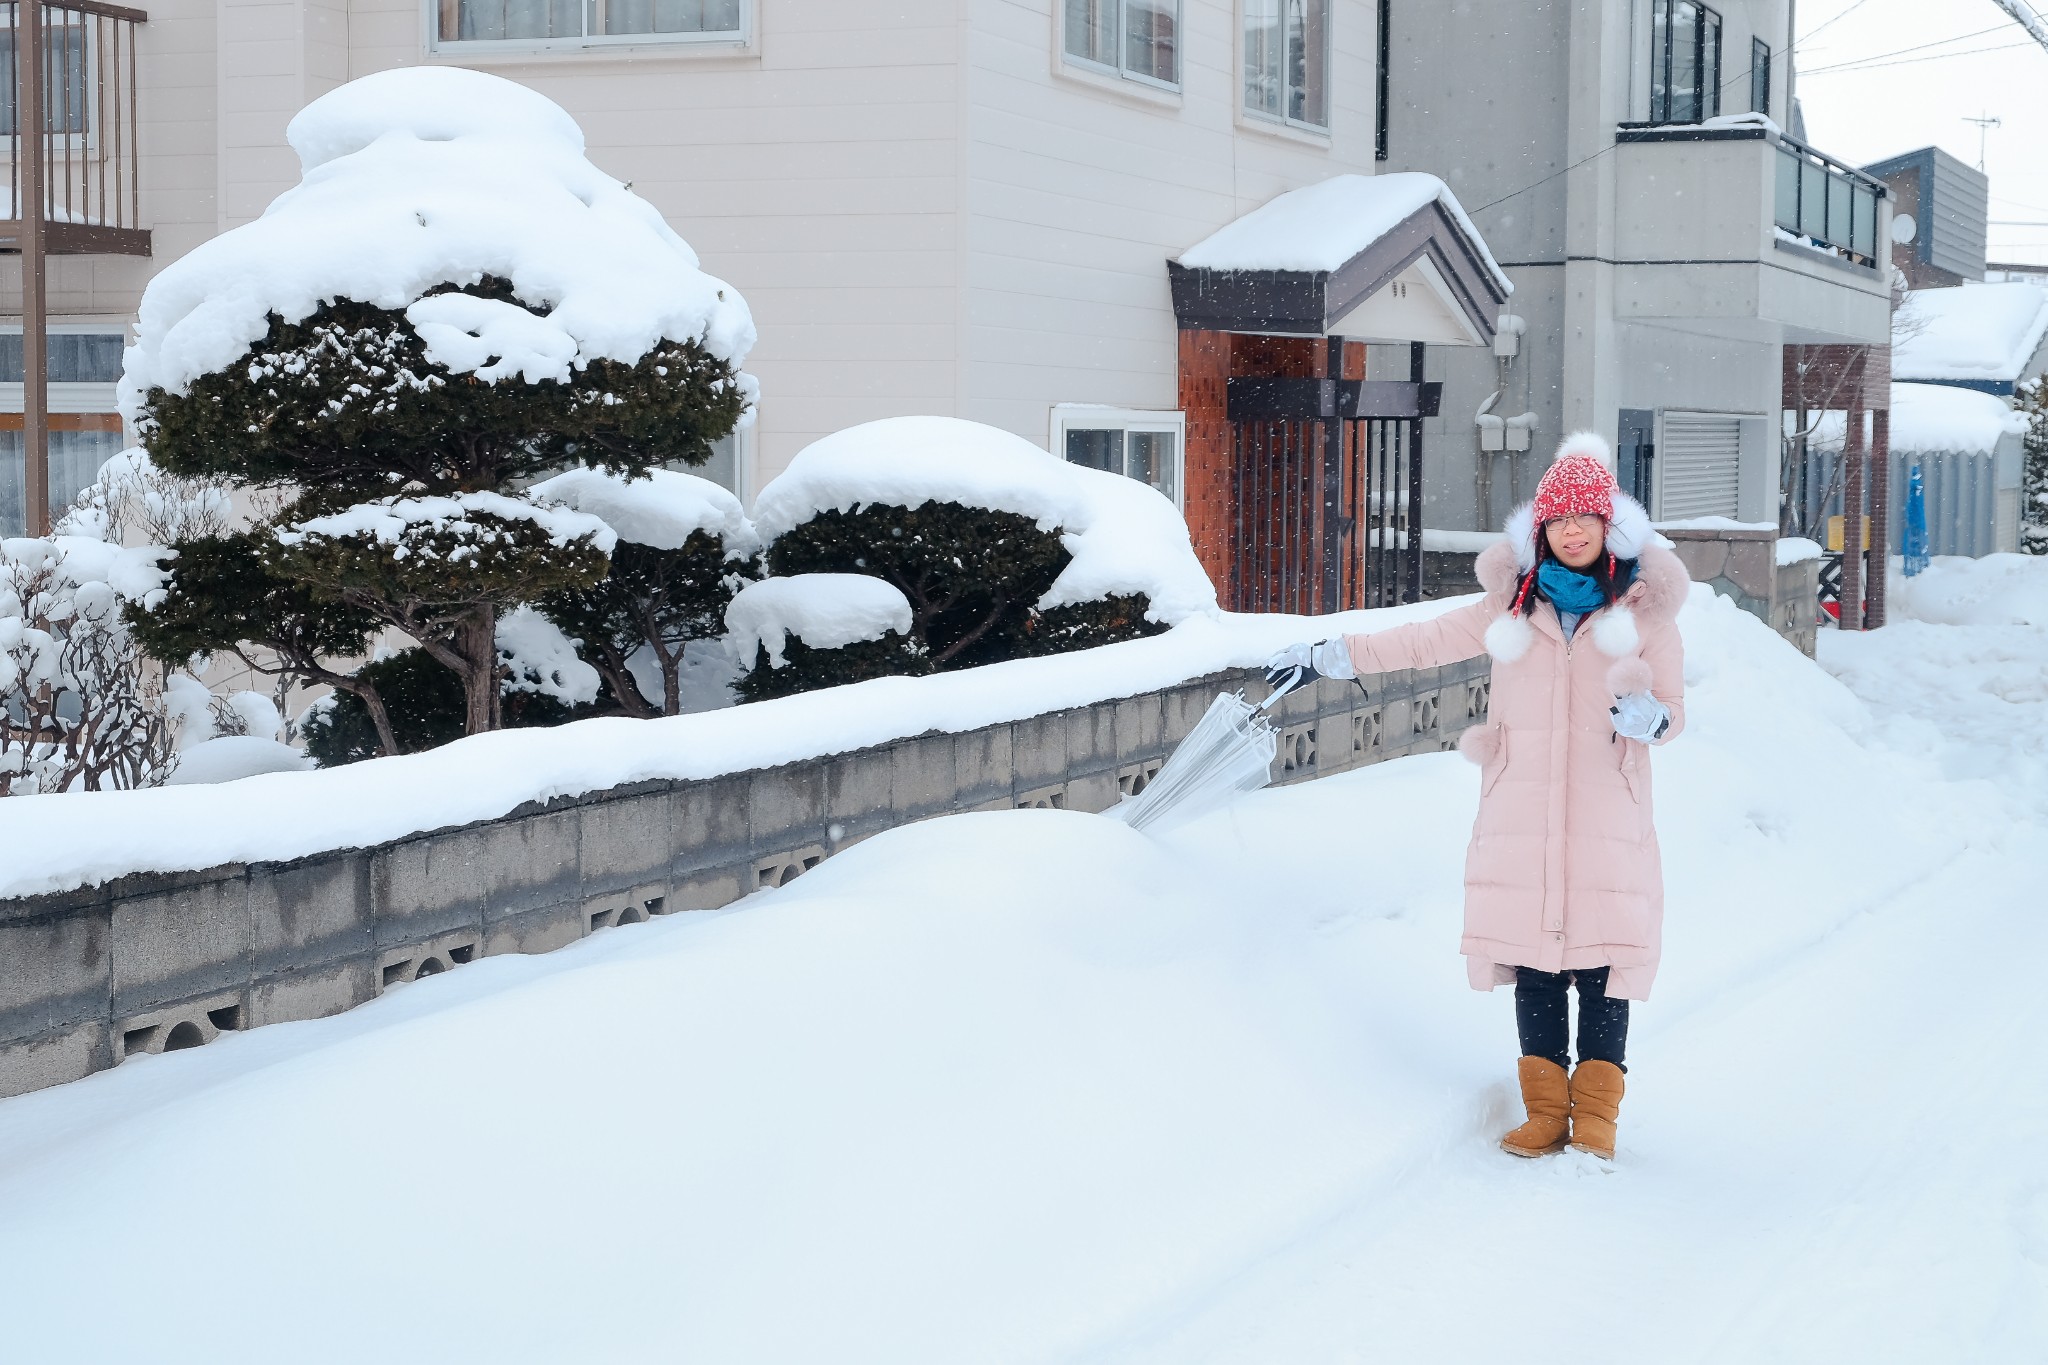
{"x": 1030, "y": 1087}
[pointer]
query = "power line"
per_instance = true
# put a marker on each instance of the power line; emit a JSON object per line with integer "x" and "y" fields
{"x": 1547, "y": 179}
{"x": 1902, "y": 51}
{"x": 1826, "y": 22}
{"x": 1867, "y": 64}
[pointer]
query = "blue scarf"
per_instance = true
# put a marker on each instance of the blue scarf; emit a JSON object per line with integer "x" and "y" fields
{"x": 1569, "y": 590}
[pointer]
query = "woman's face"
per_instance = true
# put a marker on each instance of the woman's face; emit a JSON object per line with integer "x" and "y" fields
{"x": 1576, "y": 541}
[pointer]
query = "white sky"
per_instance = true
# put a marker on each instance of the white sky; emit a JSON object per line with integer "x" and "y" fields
{"x": 1921, "y": 97}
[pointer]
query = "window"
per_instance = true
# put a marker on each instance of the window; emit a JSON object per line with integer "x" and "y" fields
{"x": 64, "y": 80}
{"x": 1760, "y": 76}
{"x": 1135, "y": 38}
{"x": 587, "y": 22}
{"x": 1379, "y": 90}
{"x": 1287, "y": 61}
{"x": 1685, "y": 62}
{"x": 724, "y": 466}
{"x": 84, "y": 434}
{"x": 1144, "y": 446}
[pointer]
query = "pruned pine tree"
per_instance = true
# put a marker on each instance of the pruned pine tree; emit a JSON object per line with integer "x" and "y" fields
{"x": 400, "y": 477}
{"x": 234, "y": 594}
{"x": 653, "y": 599}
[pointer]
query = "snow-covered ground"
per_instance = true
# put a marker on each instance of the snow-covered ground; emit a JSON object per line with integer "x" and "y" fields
{"x": 1030, "y": 1086}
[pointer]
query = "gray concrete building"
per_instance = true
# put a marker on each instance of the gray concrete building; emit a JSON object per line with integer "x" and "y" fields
{"x": 1680, "y": 272}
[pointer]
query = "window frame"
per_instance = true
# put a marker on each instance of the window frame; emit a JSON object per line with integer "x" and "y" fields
{"x": 1068, "y": 417}
{"x": 1119, "y": 71}
{"x": 1283, "y": 120}
{"x": 1759, "y": 76}
{"x": 1382, "y": 79}
{"x": 1706, "y": 63}
{"x": 85, "y": 137}
{"x": 721, "y": 43}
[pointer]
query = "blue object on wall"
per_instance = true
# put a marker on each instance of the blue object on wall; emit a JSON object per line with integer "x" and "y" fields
{"x": 1914, "y": 548}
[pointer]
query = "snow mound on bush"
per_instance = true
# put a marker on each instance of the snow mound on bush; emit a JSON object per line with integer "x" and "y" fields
{"x": 427, "y": 176}
{"x": 824, "y": 610}
{"x": 661, "y": 510}
{"x": 1124, "y": 536}
{"x": 232, "y": 757}
{"x": 391, "y": 520}
{"x": 540, "y": 658}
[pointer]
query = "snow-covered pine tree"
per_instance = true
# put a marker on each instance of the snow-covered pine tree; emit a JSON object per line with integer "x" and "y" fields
{"x": 451, "y": 304}
{"x": 685, "y": 546}
{"x": 2033, "y": 401}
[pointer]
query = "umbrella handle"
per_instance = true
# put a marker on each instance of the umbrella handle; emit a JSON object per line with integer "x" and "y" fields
{"x": 1293, "y": 681}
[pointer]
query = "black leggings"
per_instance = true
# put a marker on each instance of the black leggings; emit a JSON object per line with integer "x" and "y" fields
{"x": 1542, "y": 1019}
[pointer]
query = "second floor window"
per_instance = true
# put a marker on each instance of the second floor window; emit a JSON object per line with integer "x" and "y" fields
{"x": 66, "y": 101}
{"x": 1287, "y": 61}
{"x": 1685, "y": 62}
{"x": 1760, "y": 76}
{"x": 483, "y": 21}
{"x": 1135, "y": 38}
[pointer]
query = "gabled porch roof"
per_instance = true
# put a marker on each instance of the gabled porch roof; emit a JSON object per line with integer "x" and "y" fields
{"x": 1370, "y": 258}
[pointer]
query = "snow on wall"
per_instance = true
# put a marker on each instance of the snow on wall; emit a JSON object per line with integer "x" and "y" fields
{"x": 423, "y": 176}
{"x": 1929, "y": 417}
{"x": 824, "y": 610}
{"x": 1974, "y": 331}
{"x": 662, "y": 510}
{"x": 1321, "y": 226}
{"x": 58, "y": 843}
{"x": 1124, "y": 536}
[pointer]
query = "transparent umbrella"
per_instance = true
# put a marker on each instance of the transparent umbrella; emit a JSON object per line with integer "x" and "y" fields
{"x": 1228, "y": 753}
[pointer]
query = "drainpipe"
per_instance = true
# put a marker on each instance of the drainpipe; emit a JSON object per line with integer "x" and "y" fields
{"x": 35, "y": 422}
{"x": 1791, "y": 61}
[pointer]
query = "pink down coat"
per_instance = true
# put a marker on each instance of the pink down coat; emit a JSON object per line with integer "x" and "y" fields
{"x": 1563, "y": 871}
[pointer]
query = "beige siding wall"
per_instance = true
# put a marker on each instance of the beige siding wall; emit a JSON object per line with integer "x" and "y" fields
{"x": 1079, "y": 190}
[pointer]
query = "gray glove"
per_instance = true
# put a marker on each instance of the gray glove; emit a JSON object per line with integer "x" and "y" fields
{"x": 1640, "y": 716}
{"x": 1327, "y": 659}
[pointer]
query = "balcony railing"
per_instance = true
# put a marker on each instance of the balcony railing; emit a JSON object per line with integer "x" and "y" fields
{"x": 1826, "y": 204}
{"x": 89, "y": 170}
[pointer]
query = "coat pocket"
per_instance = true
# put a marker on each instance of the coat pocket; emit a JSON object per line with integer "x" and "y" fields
{"x": 1496, "y": 765}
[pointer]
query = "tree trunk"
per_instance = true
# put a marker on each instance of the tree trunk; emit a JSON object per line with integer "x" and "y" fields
{"x": 373, "y": 702}
{"x": 476, "y": 641}
{"x": 671, "y": 680}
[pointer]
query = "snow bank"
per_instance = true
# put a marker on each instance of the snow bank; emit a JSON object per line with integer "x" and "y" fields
{"x": 1931, "y": 417}
{"x": 1029, "y": 1086}
{"x": 57, "y": 843}
{"x": 824, "y": 610}
{"x": 1974, "y": 331}
{"x": 1124, "y": 536}
{"x": 662, "y": 510}
{"x": 393, "y": 521}
{"x": 423, "y": 176}
{"x": 1321, "y": 226}
{"x": 232, "y": 757}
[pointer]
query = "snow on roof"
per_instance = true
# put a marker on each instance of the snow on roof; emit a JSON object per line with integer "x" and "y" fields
{"x": 1124, "y": 536}
{"x": 662, "y": 510}
{"x": 1321, "y": 226}
{"x": 824, "y": 610}
{"x": 1974, "y": 331}
{"x": 423, "y": 176}
{"x": 1929, "y": 417}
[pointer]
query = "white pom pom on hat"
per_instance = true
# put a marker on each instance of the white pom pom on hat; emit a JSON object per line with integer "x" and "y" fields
{"x": 1586, "y": 443}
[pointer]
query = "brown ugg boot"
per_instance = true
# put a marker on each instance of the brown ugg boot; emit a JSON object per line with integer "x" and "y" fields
{"x": 1596, "y": 1102}
{"x": 1546, "y": 1094}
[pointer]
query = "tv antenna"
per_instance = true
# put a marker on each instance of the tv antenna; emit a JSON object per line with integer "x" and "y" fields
{"x": 1985, "y": 123}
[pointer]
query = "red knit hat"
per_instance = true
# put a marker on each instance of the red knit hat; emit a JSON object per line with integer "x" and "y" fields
{"x": 1576, "y": 484}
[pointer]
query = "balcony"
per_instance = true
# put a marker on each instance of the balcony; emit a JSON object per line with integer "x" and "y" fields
{"x": 1741, "y": 231}
{"x": 87, "y": 175}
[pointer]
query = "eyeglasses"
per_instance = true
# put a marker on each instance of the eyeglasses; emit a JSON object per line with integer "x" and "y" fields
{"x": 1585, "y": 521}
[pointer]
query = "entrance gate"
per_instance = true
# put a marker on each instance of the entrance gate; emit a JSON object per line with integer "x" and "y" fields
{"x": 1326, "y": 482}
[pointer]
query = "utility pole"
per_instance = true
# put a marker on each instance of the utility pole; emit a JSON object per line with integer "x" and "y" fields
{"x": 2023, "y": 15}
{"x": 1985, "y": 123}
{"x": 35, "y": 309}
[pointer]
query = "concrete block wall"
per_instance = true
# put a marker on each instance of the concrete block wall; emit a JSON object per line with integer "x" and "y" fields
{"x": 1742, "y": 565}
{"x": 155, "y": 962}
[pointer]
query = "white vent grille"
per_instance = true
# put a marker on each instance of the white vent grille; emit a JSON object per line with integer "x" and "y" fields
{"x": 1699, "y": 466}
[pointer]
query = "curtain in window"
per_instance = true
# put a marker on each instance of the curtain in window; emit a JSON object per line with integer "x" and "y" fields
{"x": 1287, "y": 60}
{"x": 1151, "y": 43}
{"x": 485, "y": 20}
{"x": 1152, "y": 461}
{"x": 75, "y": 460}
{"x": 672, "y": 16}
{"x": 1091, "y": 31}
{"x": 1264, "y": 84}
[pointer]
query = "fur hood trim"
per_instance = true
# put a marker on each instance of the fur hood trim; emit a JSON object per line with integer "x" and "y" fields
{"x": 1628, "y": 531}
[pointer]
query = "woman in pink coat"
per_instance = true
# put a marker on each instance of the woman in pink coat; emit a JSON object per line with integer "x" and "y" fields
{"x": 1563, "y": 885}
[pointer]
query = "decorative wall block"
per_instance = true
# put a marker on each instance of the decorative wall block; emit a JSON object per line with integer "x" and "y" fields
{"x": 190, "y": 1023}
{"x": 1043, "y": 798}
{"x": 396, "y": 966}
{"x": 1133, "y": 778}
{"x": 780, "y": 869}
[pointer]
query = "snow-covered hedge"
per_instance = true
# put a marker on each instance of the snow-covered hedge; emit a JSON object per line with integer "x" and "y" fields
{"x": 999, "y": 549}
